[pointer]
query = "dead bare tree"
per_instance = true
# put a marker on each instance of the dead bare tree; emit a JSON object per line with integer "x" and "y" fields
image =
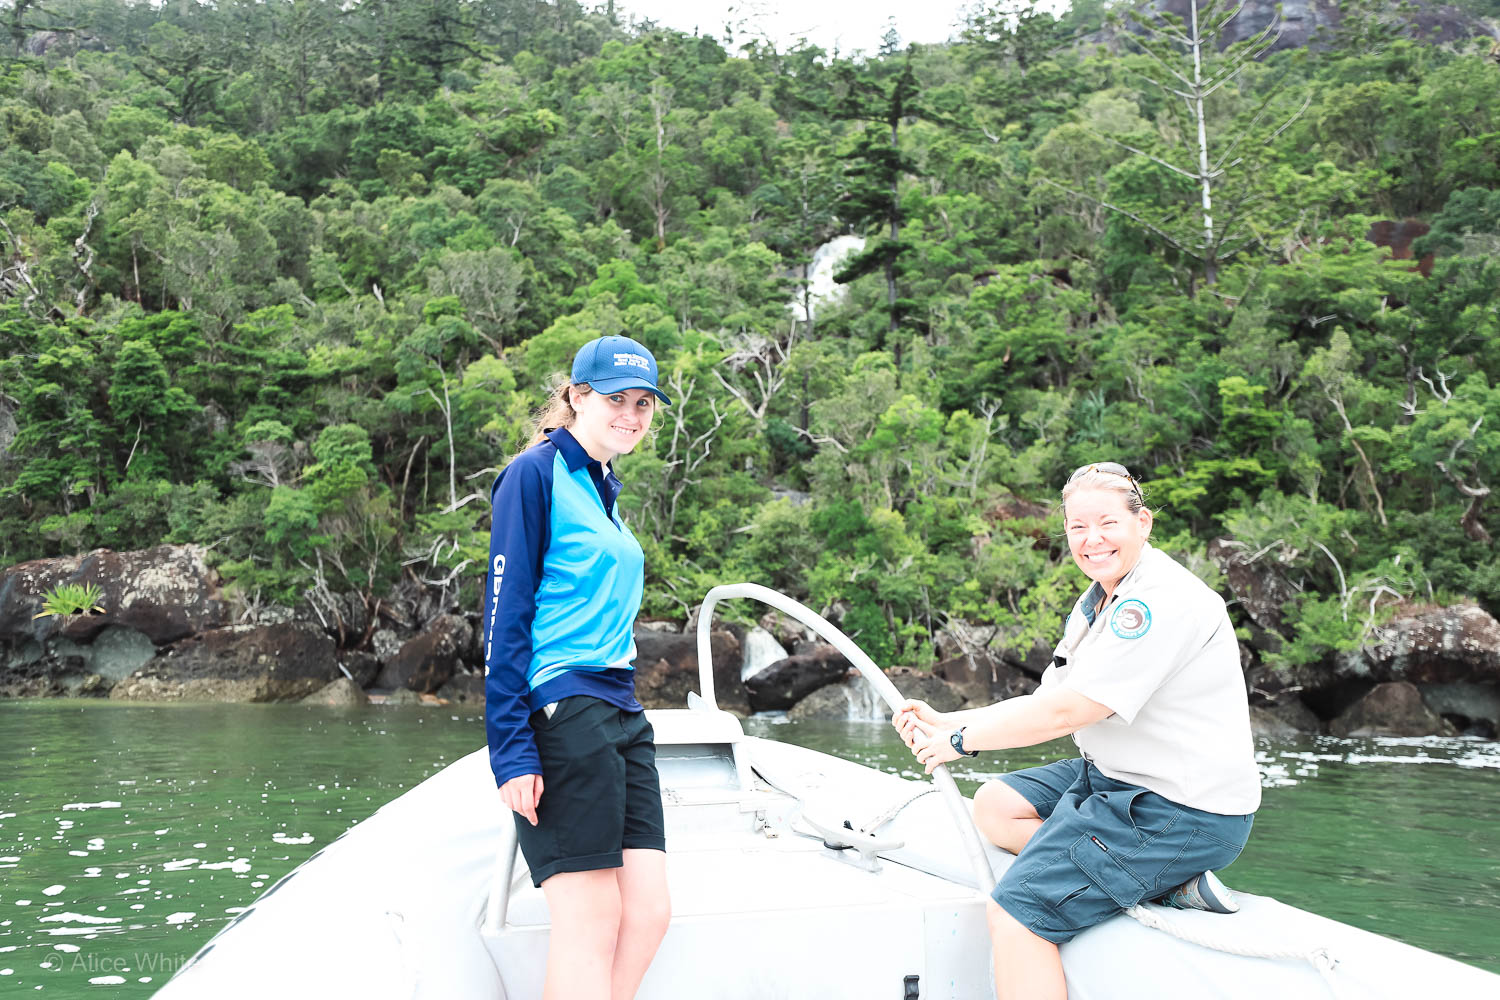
{"x": 1189, "y": 69}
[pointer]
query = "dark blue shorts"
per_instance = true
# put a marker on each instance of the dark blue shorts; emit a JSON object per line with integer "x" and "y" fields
{"x": 1104, "y": 846}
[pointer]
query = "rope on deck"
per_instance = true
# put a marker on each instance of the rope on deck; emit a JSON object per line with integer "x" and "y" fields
{"x": 1318, "y": 958}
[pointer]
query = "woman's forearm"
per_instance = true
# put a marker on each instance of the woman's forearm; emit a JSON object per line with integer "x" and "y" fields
{"x": 1028, "y": 719}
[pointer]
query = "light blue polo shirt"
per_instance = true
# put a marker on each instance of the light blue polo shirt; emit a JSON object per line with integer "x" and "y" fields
{"x": 564, "y": 585}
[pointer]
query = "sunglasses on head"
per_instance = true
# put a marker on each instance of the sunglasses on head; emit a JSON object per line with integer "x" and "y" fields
{"x": 1112, "y": 469}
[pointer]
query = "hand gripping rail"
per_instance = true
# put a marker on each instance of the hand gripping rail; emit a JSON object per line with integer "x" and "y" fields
{"x": 968, "y": 833}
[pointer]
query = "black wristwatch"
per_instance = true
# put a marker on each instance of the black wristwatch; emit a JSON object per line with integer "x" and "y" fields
{"x": 957, "y": 739}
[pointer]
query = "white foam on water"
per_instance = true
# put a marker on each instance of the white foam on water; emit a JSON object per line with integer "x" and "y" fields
{"x": 240, "y": 866}
{"x": 69, "y": 948}
{"x": 177, "y": 866}
{"x": 180, "y": 918}
{"x": 93, "y": 872}
{"x": 107, "y": 981}
{"x": 79, "y": 918}
{"x": 282, "y": 838}
{"x": 91, "y": 805}
{"x": 95, "y": 844}
{"x": 53, "y": 890}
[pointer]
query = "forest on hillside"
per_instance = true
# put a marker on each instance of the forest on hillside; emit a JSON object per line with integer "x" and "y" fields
{"x": 286, "y": 279}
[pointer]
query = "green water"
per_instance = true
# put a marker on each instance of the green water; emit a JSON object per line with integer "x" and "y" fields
{"x": 130, "y": 834}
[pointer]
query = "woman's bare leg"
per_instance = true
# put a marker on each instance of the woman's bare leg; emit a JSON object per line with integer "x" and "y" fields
{"x": 645, "y": 911}
{"x": 1004, "y": 816}
{"x": 585, "y": 912}
{"x": 1027, "y": 967}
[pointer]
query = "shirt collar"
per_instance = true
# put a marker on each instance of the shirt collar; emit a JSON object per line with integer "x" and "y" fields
{"x": 572, "y": 451}
{"x": 1130, "y": 579}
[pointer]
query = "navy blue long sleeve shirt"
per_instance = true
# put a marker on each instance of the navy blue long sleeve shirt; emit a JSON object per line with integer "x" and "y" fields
{"x": 564, "y": 585}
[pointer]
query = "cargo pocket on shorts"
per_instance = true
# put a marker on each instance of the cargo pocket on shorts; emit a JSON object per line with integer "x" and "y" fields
{"x": 1098, "y": 861}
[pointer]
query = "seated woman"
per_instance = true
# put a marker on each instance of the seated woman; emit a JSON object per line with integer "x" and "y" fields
{"x": 1147, "y": 680}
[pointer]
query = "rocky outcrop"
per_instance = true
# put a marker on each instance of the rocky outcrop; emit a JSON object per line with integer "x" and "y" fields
{"x": 466, "y": 688}
{"x": 1258, "y": 586}
{"x": 981, "y": 679}
{"x": 925, "y": 685}
{"x": 166, "y": 593}
{"x": 1391, "y": 709}
{"x": 1304, "y": 22}
{"x": 1285, "y": 721}
{"x": 238, "y": 663}
{"x": 361, "y": 667}
{"x": 666, "y": 669}
{"x": 342, "y": 693}
{"x": 787, "y": 681}
{"x": 426, "y": 661}
{"x": 1435, "y": 646}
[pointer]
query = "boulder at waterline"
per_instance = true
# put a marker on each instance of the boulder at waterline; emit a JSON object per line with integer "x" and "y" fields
{"x": 1287, "y": 720}
{"x": 342, "y": 693}
{"x": 1472, "y": 707}
{"x": 666, "y": 669}
{"x": 362, "y": 667}
{"x": 926, "y": 686}
{"x": 1391, "y": 709}
{"x": 465, "y": 688}
{"x": 238, "y": 663}
{"x": 427, "y": 660}
{"x": 787, "y": 681}
{"x": 981, "y": 679}
{"x": 41, "y": 674}
{"x": 1437, "y": 646}
{"x": 167, "y": 593}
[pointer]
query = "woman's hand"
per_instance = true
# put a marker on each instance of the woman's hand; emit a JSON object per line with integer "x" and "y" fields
{"x": 916, "y": 717}
{"x": 934, "y": 748}
{"x": 523, "y": 794}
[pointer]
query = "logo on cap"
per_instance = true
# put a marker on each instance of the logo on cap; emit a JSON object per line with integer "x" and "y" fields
{"x": 631, "y": 361}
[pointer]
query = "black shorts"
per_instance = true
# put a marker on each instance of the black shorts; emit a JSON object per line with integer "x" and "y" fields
{"x": 600, "y": 791}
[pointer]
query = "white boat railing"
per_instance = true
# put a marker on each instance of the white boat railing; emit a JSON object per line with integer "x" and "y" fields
{"x": 968, "y": 833}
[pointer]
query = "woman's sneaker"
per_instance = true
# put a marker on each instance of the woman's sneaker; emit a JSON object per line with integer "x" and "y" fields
{"x": 1202, "y": 892}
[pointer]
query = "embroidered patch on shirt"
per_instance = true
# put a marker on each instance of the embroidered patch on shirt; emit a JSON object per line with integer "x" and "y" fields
{"x": 1131, "y": 619}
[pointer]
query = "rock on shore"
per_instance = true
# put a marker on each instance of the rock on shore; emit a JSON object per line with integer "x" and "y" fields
{"x": 239, "y": 663}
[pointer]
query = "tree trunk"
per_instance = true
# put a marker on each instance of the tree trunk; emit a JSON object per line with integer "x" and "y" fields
{"x": 1210, "y": 266}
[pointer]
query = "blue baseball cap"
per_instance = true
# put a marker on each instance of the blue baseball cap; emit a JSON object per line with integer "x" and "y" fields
{"x": 612, "y": 364}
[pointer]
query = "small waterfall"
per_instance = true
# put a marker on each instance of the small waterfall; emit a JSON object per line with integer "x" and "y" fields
{"x": 761, "y": 650}
{"x": 864, "y": 704}
{"x": 826, "y": 260}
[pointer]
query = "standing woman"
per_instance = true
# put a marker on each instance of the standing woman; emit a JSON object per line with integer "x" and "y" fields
{"x": 1147, "y": 681}
{"x": 573, "y": 755}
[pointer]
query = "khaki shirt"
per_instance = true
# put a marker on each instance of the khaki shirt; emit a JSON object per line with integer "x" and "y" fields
{"x": 1163, "y": 656}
